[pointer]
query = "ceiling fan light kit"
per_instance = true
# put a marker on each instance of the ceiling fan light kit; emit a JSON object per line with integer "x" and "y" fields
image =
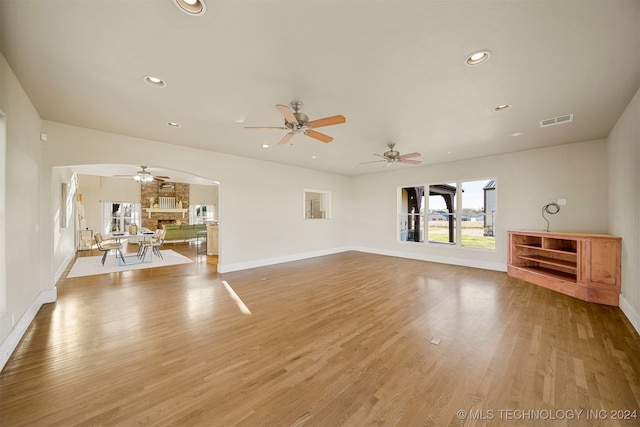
{"x": 297, "y": 122}
{"x": 144, "y": 176}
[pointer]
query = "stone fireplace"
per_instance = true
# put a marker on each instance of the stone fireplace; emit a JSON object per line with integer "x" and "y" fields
{"x": 168, "y": 190}
{"x": 162, "y": 222}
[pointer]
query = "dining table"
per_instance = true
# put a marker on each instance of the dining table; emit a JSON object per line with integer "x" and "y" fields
{"x": 133, "y": 258}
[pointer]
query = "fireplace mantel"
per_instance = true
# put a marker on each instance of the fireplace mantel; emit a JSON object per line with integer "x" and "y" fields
{"x": 151, "y": 210}
{"x": 153, "y": 192}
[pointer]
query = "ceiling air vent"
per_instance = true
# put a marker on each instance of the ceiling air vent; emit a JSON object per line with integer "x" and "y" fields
{"x": 556, "y": 121}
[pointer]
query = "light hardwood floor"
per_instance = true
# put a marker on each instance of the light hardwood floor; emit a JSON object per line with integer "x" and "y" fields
{"x": 340, "y": 340}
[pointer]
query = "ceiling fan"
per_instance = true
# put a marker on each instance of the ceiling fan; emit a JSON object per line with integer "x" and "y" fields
{"x": 393, "y": 156}
{"x": 144, "y": 176}
{"x": 296, "y": 122}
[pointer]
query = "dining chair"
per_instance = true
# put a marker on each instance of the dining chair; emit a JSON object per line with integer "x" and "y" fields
{"x": 145, "y": 244}
{"x": 155, "y": 244}
{"x": 108, "y": 245}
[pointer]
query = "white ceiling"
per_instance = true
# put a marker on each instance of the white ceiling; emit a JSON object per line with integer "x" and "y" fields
{"x": 125, "y": 169}
{"x": 395, "y": 69}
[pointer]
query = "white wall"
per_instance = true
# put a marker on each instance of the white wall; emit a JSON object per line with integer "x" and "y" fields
{"x": 89, "y": 187}
{"x": 64, "y": 248}
{"x": 525, "y": 182}
{"x": 118, "y": 190}
{"x": 624, "y": 203}
{"x": 28, "y": 277}
{"x": 260, "y": 203}
{"x": 96, "y": 189}
{"x": 203, "y": 194}
{"x": 3, "y": 215}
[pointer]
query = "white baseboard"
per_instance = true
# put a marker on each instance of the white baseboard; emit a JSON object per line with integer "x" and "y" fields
{"x": 463, "y": 262}
{"x": 227, "y": 268}
{"x": 9, "y": 345}
{"x": 630, "y": 312}
{"x": 64, "y": 265}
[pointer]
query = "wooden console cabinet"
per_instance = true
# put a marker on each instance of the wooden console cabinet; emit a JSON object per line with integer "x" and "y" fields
{"x": 212, "y": 239}
{"x": 584, "y": 266}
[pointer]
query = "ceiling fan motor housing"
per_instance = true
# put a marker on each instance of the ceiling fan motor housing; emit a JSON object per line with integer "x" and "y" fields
{"x": 302, "y": 118}
{"x": 392, "y": 155}
{"x": 296, "y": 122}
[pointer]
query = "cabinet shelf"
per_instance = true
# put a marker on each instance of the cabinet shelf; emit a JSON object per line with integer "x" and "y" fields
{"x": 560, "y": 251}
{"x": 545, "y": 273}
{"x": 550, "y": 261}
{"x": 585, "y": 266}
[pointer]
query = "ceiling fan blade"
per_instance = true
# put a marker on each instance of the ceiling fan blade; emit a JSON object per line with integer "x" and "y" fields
{"x": 373, "y": 161}
{"x": 406, "y": 156}
{"x": 265, "y": 127}
{"x": 287, "y": 113}
{"x": 317, "y": 135}
{"x": 286, "y": 138}
{"x": 159, "y": 179}
{"x": 410, "y": 162}
{"x": 327, "y": 121}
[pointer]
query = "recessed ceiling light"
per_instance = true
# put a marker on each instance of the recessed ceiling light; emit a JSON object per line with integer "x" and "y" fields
{"x": 517, "y": 134}
{"x": 502, "y": 107}
{"x": 154, "y": 81}
{"x": 477, "y": 57}
{"x": 314, "y": 157}
{"x": 174, "y": 124}
{"x": 191, "y": 7}
{"x": 265, "y": 146}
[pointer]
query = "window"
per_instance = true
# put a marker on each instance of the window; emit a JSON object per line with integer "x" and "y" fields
{"x": 478, "y": 214}
{"x": 457, "y": 214}
{"x": 117, "y": 216}
{"x": 317, "y": 204}
{"x": 442, "y": 217}
{"x": 200, "y": 214}
{"x": 412, "y": 214}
